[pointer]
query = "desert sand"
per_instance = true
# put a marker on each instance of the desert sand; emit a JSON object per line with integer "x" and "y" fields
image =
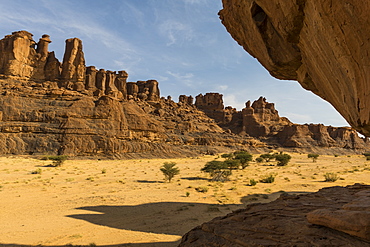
{"x": 128, "y": 203}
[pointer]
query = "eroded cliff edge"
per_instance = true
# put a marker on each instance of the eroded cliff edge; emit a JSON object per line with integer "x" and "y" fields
{"x": 52, "y": 107}
{"x": 322, "y": 44}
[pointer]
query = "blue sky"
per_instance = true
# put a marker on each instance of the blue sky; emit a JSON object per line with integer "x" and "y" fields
{"x": 180, "y": 43}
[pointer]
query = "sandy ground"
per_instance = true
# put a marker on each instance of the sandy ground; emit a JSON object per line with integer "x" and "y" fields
{"x": 127, "y": 202}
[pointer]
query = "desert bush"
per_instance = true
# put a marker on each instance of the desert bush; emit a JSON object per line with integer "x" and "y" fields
{"x": 58, "y": 160}
{"x": 232, "y": 164}
{"x": 313, "y": 157}
{"x": 218, "y": 170}
{"x": 268, "y": 178}
{"x": 253, "y": 182}
{"x": 267, "y": 157}
{"x": 282, "y": 159}
{"x": 227, "y": 156}
{"x": 331, "y": 177}
{"x": 367, "y": 157}
{"x": 259, "y": 160}
{"x": 169, "y": 170}
{"x": 243, "y": 157}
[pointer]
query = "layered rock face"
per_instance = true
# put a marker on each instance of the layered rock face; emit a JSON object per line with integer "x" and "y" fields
{"x": 48, "y": 107}
{"x": 261, "y": 120}
{"x": 321, "y": 44}
{"x": 68, "y": 108}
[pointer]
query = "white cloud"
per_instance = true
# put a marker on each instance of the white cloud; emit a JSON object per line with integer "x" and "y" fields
{"x": 222, "y": 87}
{"x": 179, "y": 76}
{"x": 175, "y": 31}
{"x": 231, "y": 100}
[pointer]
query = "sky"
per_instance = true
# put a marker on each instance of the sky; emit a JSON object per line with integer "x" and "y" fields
{"x": 180, "y": 43}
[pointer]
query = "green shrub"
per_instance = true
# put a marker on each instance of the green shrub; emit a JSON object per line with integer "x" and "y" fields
{"x": 243, "y": 157}
{"x": 267, "y": 157}
{"x": 313, "y": 157}
{"x": 367, "y": 157}
{"x": 331, "y": 177}
{"x": 58, "y": 160}
{"x": 268, "y": 178}
{"x": 259, "y": 159}
{"x": 232, "y": 164}
{"x": 169, "y": 170}
{"x": 253, "y": 182}
{"x": 218, "y": 170}
{"x": 227, "y": 156}
{"x": 282, "y": 159}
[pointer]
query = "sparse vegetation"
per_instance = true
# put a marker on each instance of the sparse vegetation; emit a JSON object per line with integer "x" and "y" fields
{"x": 313, "y": 157}
{"x": 331, "y": 177}
{"x": 218, "y": 170}
{"x": 267, "y": 157}
{"x": 243, "y": 157}
{"x": 252, "y": 182}
{"x": 259, "y": 160}
{"x": 282, "y": 159}
{"x": 268, "y": 178}
{"x": 169, "y": 170}
{"x": 58, "y": 160}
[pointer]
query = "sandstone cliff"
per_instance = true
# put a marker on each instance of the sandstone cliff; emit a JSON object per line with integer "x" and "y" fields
{"x": 49, "y": 107}
{"x": 261, "y": 121}
{"x": 321, "y": 44}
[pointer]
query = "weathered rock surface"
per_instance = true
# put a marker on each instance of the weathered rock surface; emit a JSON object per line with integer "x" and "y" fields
{"x": 280, "y": 223}
{"x": 261, "y": 120}
{"x": 321, "y": 44}
{"x": 68, "y": 108}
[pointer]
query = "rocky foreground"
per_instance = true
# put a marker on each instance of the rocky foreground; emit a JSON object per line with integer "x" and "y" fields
{"x": 284, "y": 222}
{"x": 52, "y": 107}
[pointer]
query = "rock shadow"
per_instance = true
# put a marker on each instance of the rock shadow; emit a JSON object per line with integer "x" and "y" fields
{"x": 149, "y": 181}
{"x": 170, "y": 218}
{"x": 195, "y": 178}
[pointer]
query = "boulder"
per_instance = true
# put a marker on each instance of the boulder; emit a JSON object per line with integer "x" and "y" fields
{"x": 283, "y": 222}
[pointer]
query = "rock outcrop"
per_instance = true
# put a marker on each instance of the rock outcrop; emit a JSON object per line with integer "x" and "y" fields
{"x": 283, "y": 222}
{"x": 261, "y": 121}
{"x": 20, "y": 59}
{"x": 68, "y": 108}
{"x": 321, "y": 44}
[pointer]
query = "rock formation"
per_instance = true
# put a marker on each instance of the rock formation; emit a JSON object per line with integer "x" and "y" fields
{"x": 321, "y": 44}
{"x": 283, "y": 222}
{"x": 261, "y": 120}
{"x": 68, "y": 108}
{"x": 20, "y": 59}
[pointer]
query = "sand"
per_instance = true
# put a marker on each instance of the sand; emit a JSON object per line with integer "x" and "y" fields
{"x": 127, "y": 202}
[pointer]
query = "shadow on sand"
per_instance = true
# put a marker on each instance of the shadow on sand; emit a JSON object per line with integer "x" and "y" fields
{"x": 170, "y": 218}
